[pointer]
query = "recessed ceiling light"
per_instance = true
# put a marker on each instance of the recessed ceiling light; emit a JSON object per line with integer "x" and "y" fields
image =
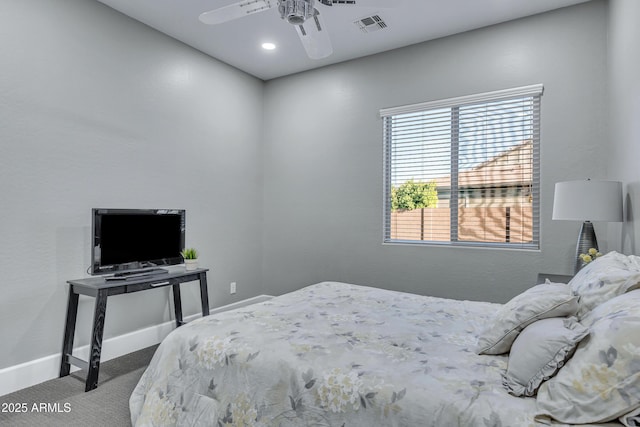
{"x": 268, "y": 46}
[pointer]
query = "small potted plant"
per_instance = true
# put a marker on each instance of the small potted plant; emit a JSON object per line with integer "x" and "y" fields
{"x": 190, "y": 256}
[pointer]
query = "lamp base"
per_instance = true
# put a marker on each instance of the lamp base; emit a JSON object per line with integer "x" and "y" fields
{"x": 586, "y": 240}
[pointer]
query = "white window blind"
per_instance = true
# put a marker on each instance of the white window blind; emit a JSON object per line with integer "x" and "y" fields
{"x": 464, "y": 171}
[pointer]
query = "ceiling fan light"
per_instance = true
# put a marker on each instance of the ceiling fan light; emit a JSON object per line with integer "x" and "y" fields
{"x": 296, "y": 11}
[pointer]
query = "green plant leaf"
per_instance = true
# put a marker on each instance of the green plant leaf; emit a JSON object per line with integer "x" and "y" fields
{"x": 189, "y": 253}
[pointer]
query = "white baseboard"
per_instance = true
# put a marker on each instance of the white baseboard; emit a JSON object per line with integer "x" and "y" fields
{"x": 36, "y": 371}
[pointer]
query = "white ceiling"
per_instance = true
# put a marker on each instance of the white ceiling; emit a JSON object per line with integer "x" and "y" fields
{"x": 238, "y": 42}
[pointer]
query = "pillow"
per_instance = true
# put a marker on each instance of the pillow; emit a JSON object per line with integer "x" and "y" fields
{"x": 538, "y": 302}
{"x": 540, "y": 351}
{"x": 606, "y": 277}
{"x": 601, "y": 382}
{"x": 632, "y": 419}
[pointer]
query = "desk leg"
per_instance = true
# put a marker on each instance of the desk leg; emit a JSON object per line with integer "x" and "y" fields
{"x": 96, "y": 340}
{"x": 69, "y": 332}
{"x": 177, "y": 304}
{"x": 204, "y": 294}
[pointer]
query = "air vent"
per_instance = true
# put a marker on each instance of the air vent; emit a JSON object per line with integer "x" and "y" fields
{"x": 370, "y": 23}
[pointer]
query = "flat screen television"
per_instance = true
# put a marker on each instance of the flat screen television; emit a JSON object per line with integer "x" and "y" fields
{"x": 127, "y": 241}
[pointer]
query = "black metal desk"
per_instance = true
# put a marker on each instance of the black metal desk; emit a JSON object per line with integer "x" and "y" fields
{"x": 100, "y": 289}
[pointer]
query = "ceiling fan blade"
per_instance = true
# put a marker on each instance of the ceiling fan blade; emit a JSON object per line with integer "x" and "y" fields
{"x": 236, "y": 10}
{"x": 314, "y": 37}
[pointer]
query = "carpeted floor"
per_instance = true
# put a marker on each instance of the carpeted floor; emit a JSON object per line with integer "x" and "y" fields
{"x": 65, "y": 404}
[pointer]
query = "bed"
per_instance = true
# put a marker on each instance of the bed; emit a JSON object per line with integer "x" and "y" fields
{"x": 337, "y": 354}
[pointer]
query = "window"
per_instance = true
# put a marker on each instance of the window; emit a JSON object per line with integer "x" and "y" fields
{"x": 464, "y": 171}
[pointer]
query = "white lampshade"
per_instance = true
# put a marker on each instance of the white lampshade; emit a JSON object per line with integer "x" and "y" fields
{"x": 588, "y": 200}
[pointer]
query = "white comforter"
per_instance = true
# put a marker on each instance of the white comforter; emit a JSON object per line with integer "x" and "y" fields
{"x": 331, "y": 354}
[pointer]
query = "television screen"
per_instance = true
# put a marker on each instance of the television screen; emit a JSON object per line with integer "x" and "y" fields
{"x": 135, "y": 239}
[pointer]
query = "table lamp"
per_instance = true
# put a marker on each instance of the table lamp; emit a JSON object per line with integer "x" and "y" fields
{"x": 587, "y": 200}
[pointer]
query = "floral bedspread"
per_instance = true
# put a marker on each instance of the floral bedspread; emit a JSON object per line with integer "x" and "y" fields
{"x": 331, "y": 354}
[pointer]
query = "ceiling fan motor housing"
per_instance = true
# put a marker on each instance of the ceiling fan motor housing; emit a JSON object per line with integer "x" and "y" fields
{"x": 296, "y": 11}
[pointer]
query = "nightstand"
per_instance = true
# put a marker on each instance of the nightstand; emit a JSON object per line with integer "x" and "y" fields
{"x": 556, "y": 278}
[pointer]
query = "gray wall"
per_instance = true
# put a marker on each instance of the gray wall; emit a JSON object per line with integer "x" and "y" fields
{"x": 624, "y": 123}
{"x": 97, "y": 110}
{"x": 323, "y": 155}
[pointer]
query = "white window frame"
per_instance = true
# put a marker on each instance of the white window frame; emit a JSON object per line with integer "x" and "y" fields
{"x": 387, "y": 114}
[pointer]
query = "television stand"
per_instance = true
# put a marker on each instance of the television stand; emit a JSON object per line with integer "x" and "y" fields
{"x": 134, "y": 274}
{"x": 101, "y": 289}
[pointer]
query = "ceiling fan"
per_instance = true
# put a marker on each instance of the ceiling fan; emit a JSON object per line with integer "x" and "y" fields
{"x": 302, "y": 14}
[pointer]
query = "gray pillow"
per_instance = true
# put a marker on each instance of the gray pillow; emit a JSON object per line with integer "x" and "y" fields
{"x": 539, "y": 352}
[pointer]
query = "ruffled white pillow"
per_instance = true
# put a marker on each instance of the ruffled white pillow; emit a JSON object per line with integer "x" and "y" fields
{"x": 539, "y": 352}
